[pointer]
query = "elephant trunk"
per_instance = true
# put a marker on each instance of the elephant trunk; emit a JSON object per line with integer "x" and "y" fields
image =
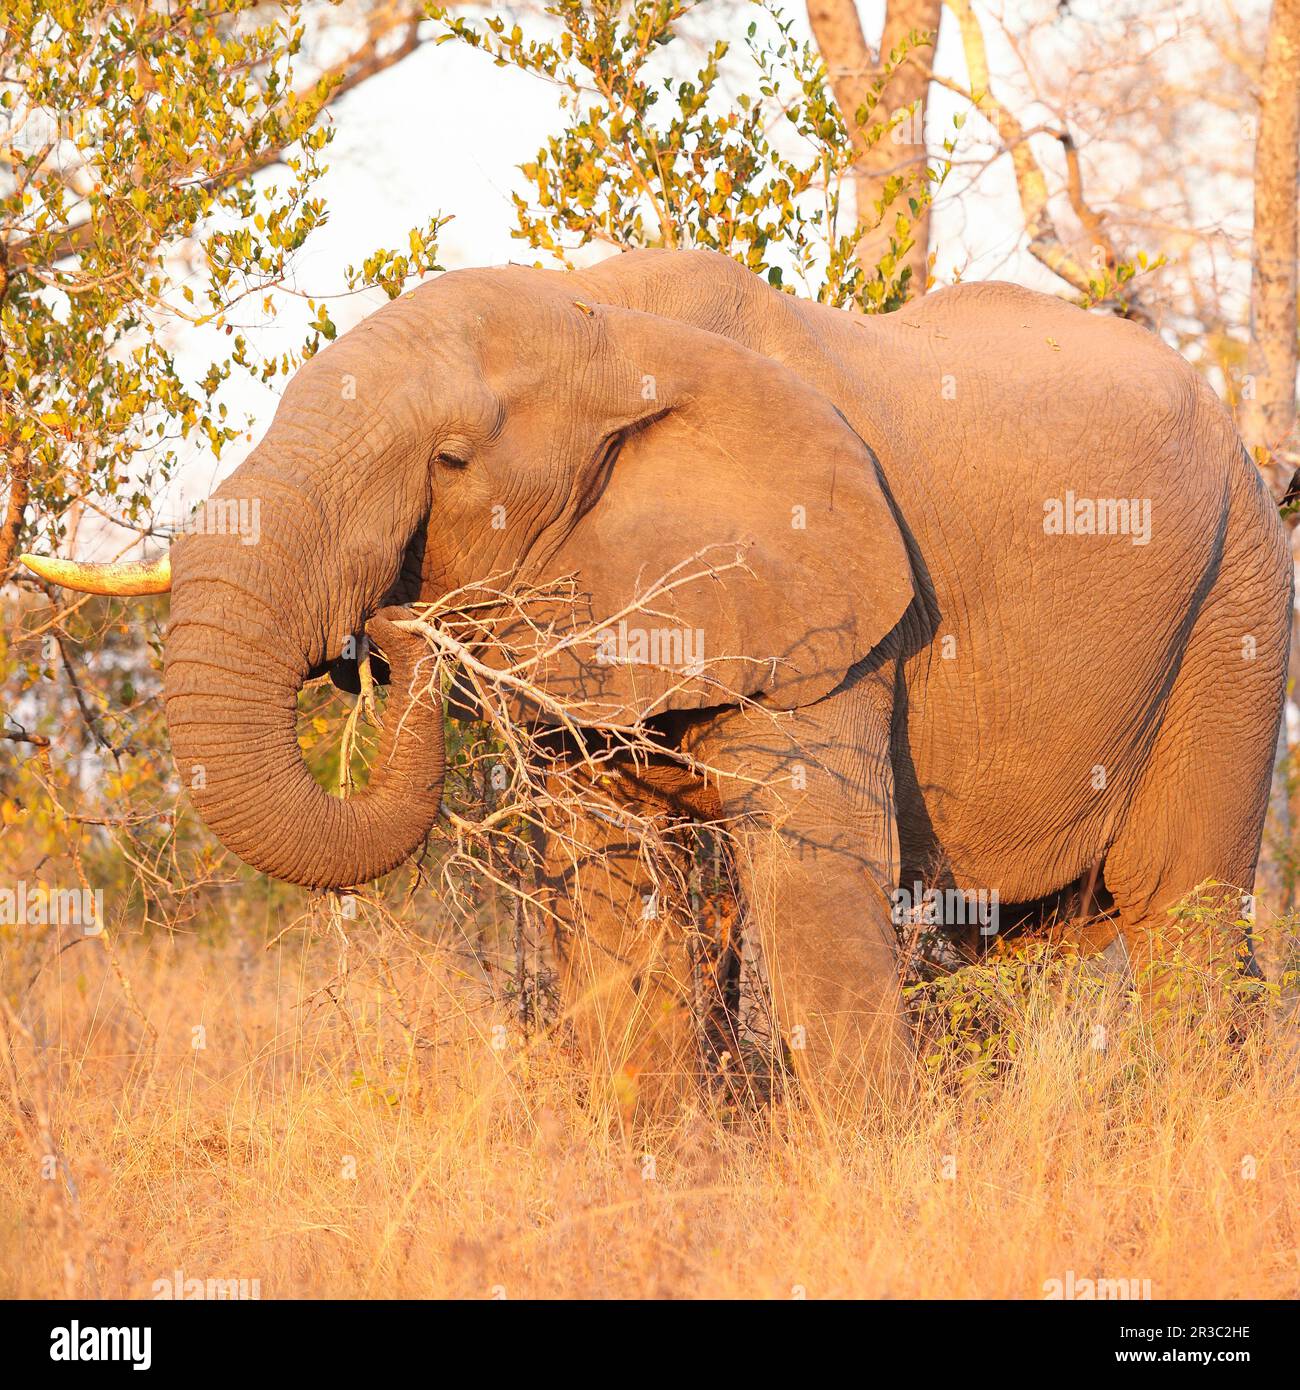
{"x": 242, "y": 642}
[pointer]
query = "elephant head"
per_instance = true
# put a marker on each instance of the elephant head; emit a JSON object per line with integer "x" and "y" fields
{"x": 493, "y": 423}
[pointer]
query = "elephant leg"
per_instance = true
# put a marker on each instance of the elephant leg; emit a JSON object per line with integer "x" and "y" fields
{"x": 624, "y": 947}
{"x": 1199, "y": 809}
{"x": 816, "y": 847}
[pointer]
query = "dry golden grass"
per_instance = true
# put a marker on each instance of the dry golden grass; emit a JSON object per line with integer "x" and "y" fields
{"x": 329, "y": 1147}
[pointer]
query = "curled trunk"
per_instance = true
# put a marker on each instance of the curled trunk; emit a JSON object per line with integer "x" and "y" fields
{"x": 293, "y": 552}
{"x": 232, "y": 712}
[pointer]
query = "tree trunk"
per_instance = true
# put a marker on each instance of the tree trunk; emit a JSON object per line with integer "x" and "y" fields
{"x": 1268, "y": 411}
{"x": 1267, "y": 416}
{"x": 852, "y": 68}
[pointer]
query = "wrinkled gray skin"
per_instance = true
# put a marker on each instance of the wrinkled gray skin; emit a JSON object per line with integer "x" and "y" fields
{"x": 957, "y": 695}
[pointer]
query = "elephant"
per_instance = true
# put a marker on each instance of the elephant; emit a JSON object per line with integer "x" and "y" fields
{"x": 990, "y": 597}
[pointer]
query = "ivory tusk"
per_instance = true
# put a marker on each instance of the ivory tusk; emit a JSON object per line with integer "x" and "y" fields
{"x": 118, "y": 577}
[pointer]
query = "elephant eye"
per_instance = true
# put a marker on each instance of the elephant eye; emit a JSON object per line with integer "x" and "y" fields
{"x": 451, "y": 460}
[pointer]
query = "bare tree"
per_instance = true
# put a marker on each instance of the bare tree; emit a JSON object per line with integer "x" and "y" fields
{"x": 1085, "y": 263}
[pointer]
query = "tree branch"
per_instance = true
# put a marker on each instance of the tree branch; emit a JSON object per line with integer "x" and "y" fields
{"x": 1046, "y": 244}
{"x": 16, "y": 459}
{"x": 364, "y": 62}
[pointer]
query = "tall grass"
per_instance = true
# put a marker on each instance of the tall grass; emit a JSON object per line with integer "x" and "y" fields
{"x": 261, "y": 1113}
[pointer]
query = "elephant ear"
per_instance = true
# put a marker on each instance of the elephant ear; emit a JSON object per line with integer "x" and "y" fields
{"x": 734, "y": 539}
